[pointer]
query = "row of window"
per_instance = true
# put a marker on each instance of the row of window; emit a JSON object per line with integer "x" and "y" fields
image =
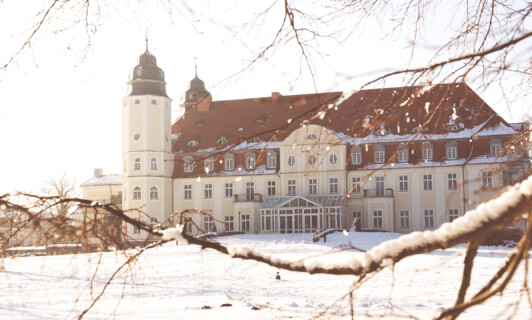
{"x": 154, "y": 164}
{"x": 229, "y": 162}
{"x": 404, "y": 218}
{"x": 452, "y": 182}
{"x": 154, "y": 193}
{"x": 427, "y": 151}
{"x": 153, "y": 101}
{"x": 228, "y": 224}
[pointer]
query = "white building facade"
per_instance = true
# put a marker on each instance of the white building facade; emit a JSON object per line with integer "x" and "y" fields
{"x": 399, "y": 159}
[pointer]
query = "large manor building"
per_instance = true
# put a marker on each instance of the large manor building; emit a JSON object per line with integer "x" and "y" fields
{"x": 400, "y": 159}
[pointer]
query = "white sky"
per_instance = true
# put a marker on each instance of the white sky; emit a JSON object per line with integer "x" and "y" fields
{"x": 62, "y": 113}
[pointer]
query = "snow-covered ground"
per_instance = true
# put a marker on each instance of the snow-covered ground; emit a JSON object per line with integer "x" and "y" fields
{"x": 178, "y": 282}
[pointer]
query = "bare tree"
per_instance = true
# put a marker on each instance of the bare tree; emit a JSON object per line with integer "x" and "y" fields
{"x": 64, "y": 188}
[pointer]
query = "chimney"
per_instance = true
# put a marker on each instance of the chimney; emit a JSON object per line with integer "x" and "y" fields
{"x": 98, "y": 172}
{"x": 204, "y": 104}
{"x": 275, "y": 97}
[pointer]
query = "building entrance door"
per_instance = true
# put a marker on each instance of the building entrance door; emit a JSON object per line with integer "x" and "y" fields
{"x": 286, "y": 224}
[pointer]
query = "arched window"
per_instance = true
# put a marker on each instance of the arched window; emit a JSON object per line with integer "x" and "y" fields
{"x": 136, "y": 193}
{"x": 136, "y": 165}
{"x": 356, "y": 157}
{"x": 154, "y": 164}
{"x": 254, "y": 140}
{"x": 271, "y": 160}
{"x": 192, "y": 143}
{"x": 154, "y": 193}
{"x": 379, "y": 154}
{"x": 229, "y": 162}
{"x": 311, "y": 136}
{"x": 451, "y": 150}
{"x": 221, "y": 140}
{"x": 250, "y": 161}
{"x": 188, "y": 163}
{"x": 426, "y": 149}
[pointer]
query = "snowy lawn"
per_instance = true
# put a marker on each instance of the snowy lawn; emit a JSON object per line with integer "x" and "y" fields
{"x": 180, "y": 282}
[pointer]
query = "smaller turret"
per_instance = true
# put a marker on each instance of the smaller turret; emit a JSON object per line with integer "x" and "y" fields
{"x": 196, "y": 92}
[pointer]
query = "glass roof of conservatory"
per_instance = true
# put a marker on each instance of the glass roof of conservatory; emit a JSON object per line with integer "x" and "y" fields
{"x": 300, "y": 201}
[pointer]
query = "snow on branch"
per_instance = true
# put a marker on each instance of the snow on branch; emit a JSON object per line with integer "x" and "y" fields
{"x": 473, "y": 226}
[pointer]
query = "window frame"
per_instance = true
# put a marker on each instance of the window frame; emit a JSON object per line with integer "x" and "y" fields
{"x": 427, "y": 151}
{"x": 453, "y": 214}
{"x": 291, "y": 160}
{"x": 403, "y": 183}
{"x": 428, "y": 218}
{"x": 452, "y": 182}
{"x": 228, "y": 190}
{"x": 333, "y": 185}
{"x": 428, "y": 182}
{"x": 356, "y": 157}
{"x": 451, "y": 150}
{"x": 154, "y": 193}
{"x": 208, "y": 165}
{"x": 271, "y": 160}
{"x": 187, "y": 192}
{"x": 487, "y": 179}
{"x": 312, "y": 186}
{"x": 229, "y": 162}
{"x": 333, "y": 158}
{"x": 271, "y": 188}
{"x": 291, "y": 188}
{"x": 404, "y": 219}
{"x": 378, "y": 219}
{"x": 229, "y": 221}
{"x": 251, "y": 161}
{"x": 188, "y": 164}
{"x": 402, "y": 153}
{"x": 356, "y": 186}
{"x": 137, "y": 193}
{"x": 207, "y": 191}
{"x": 136, "y": 164}
{"x": 154, "y": 164}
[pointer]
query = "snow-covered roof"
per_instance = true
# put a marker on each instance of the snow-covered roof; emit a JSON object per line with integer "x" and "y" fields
{"x": 108, "y": 179}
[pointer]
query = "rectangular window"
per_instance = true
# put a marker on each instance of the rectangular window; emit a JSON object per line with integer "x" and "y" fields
{"x": 402, "y": 156}
{"x": 137, "y": 101}
{"x": 486, "y": 179}
{"x": 153, "y": 101}
{"x": 452, "y": 181}
{"x": 136, "y": 229}
{"x": 271, "y": 161}
{"x": 403, "y": 183}
{"x": 250, "y": 190}
{"x": 429, "y": 218}
{"x": 453, "y": 214}
{"x": 495, "y": 150}
{"x": 355, "y": 184}
{"x": 271, "y": 188}
{"x": 377, "y": 219}
{"x": 229, "y": 223}
{"x": 209, "y": 225}
{"x": 207, "y": 194}
{"x": 451, "y": 153}
{"x": 228, "y": 190}
{"x": 333, "y": 185}
{"x": 187, "y": 192}
{"x": 379, "y": 157}
{"x": 244, "y": 223}
{"x": 291, "y": 187}
{"x": 229, "y": 164}
{"x": 188, "y": 225}
{"x": 356, "y": 158}
{"x": 209, "y": 165}
{"x": 250, "y": 163}
{"x": 379, "y": 186}
{"x": 268, "y": 221}
{"x": 312, "y": 186}
{"x": 427, "y": 182}
{"x": 427, "y": 154}
{"x": 189, "y": 166}
{"x": 404, "y": 216}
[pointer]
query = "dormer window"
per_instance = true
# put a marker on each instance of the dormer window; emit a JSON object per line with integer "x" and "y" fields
{"x": 221, "y": 140}
{"x": 356, "y": 157}
{"x": 495, "y": 147}
{"x": 192, "y": 143}
{"x": 402, "y": 153}
{"x": 271, "y": 160}
{"x": 200, "y": 124}
{"x": 451, "y": 150}
{"x": 208, "y": 165}
{"x": 426, "y": 149}
{"x": 188, "y": 163}
{"x": 229, "y": 162}
{"x": 250, "y": 161}
{"x": 311, "y": 136}
{"x": 260, "y": 120}
{"x": 381, "y": 132}
{"x": 379, "y": 154}
{"x": 254, "y": 140}
{"x": 453, "y": 127}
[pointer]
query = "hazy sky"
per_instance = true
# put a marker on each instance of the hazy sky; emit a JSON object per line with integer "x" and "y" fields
{"x": 61, "y": 106}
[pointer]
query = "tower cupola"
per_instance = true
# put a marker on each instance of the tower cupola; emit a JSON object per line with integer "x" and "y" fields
{"x": 196, "y": 92}
{"x": 147, "y": 77}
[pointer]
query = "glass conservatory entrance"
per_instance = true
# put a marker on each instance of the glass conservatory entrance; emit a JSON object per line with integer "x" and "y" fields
{"x": 298, "y": 214}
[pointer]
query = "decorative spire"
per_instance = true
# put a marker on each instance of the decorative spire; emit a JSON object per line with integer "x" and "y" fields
{"x": 196, "y": 65}
{"x": 147, "y": 41}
